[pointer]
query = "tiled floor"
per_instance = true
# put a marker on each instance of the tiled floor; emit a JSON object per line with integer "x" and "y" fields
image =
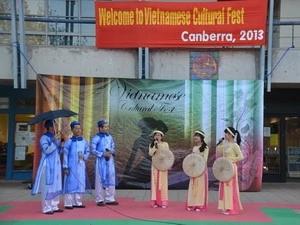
{"x": 288, "y": 193}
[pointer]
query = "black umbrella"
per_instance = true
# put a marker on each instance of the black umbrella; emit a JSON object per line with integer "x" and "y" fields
{"x": 51, "y": 115}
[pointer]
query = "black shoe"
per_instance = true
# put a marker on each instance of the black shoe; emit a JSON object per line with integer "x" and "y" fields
{"x": 112, "y": 203}
{"x": 58, "y": 210}
{"x": 100, "y": 204}
{"x": 68, "y": 207}
{"x": 49, "y": 213}
{"x": 78, "y": 206}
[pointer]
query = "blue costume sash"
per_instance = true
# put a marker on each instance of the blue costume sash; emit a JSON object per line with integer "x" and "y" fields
{"x": 103, "y": 165}
{"x": 72, "y": 182}
{"x": 51, "y": 159}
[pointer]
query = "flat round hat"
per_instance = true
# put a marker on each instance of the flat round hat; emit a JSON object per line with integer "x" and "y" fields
{"x": 163, "y": 159}
{"x": 193, "y": 165}
{"x": 223, "y": 169}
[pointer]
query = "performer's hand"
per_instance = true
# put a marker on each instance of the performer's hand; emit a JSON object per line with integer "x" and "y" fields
{"x": 107, "y": 154}
{"x": 66, "y": 171}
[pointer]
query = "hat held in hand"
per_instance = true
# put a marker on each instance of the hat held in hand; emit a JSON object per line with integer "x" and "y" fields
{"x": 163, "y": 159}
{"x": 223, "y": 169}
{"x": 193, "y": 165}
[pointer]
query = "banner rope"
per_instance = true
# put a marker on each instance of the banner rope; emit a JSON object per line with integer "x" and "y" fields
{"x": 266, "y": 76}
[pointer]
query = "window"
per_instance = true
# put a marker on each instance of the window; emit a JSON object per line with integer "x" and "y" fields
{"x": 271, "y": 163}
{"x": 4, "y": 103}
{"x": 292, "y": 129}
{"x": 24, "y": 143}
{"x": 53, "y": 32}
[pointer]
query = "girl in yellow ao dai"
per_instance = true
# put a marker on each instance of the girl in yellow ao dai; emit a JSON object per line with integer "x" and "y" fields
{"x": 159, "y": 179}
{"x": 229, "y": 196}
{"x": 198, "y": 187}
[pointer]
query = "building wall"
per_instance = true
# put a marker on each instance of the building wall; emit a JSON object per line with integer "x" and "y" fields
{"x": 287, "y": 70}
{"x": 235, "y": 64}
{"x": 166, "y": 64}
{"x": 289, "y": 11}
{"x": 82, "y": 61}
{"x": 5, "y": 62}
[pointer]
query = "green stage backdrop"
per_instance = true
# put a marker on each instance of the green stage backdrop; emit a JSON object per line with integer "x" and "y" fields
{"x": 134, "y": 108}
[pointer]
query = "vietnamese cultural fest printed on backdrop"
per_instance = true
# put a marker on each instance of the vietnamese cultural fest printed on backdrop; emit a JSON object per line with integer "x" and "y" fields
{"x": 135, "y": 108}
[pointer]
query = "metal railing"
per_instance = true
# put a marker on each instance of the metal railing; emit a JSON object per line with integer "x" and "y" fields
{"x": 50, "y": 32}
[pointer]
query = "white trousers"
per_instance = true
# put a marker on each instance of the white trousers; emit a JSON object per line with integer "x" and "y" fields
{"x": 73, "y": 199}
{"x": 102, "y": 195}
{"x": 51, "y": 204}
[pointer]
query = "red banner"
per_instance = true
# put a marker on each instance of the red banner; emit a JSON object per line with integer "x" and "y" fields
{"x": 180, "y": 24}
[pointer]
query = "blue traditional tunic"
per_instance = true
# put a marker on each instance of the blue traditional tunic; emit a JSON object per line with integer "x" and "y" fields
{"x": 101, "y": 143}
{"x": 77, "y": 179}
{"x": 48, "y": 179}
